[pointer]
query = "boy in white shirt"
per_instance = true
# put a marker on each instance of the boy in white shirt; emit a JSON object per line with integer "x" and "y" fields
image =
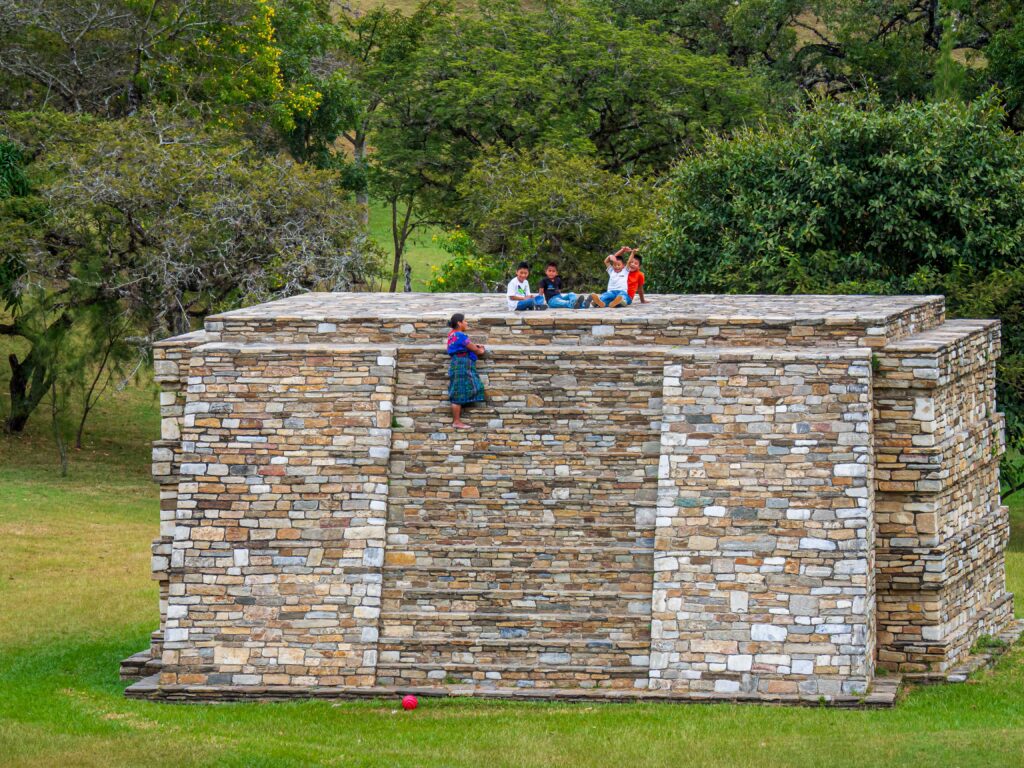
{"x": 618, "y": 282}
{"x": 519, "y": 297}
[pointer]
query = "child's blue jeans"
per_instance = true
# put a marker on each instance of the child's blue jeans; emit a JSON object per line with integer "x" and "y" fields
{"x": 562, "y": 301}
{"x": 608, "y": 296}
{"x": 537, "y": 302}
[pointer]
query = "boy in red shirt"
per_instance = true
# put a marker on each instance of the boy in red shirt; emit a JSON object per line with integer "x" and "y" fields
{"x": 635, "y": 278}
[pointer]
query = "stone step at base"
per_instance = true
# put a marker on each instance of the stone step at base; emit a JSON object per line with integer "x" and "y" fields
{"x": 882, "y": 694}
{"x": 502, "y": 676}
{"x": 139, "y": 665}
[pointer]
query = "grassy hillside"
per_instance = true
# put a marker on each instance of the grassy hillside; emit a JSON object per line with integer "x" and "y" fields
{"x": 76, "y": 598}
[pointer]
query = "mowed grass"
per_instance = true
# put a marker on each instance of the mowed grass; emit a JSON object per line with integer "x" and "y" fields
{"x": 76, "y": 598}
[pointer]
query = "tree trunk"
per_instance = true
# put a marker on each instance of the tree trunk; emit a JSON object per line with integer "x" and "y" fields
{"x": 30, "y": 381}
{"x": 58, "y": 434}
{"x": 399, "y": 236}
{"x": 33, "y": 377}
{"x": 362, "y": 196}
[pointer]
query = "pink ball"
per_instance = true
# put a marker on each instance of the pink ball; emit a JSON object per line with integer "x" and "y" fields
{"x": 409, "y": 702}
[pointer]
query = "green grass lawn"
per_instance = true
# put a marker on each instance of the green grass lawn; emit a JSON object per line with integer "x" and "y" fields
{"x": 75, "y": 598}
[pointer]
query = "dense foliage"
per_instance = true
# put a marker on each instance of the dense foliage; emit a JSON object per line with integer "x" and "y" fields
{"x": 223, "y": 152}
{"x": 154, "y": 223}
{"x": 856, "y": 198}
{"x": 553, "y": 204}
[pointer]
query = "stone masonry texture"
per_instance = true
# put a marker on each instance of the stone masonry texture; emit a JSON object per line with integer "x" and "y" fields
{"x": 738, "y": 496}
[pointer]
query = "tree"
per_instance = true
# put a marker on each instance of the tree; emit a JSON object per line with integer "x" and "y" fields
{"x": 377, "y": 47}
{"x": 553, "y": 204}
{"x": 835, "y": 46}
{"x": 1006, "y": 65}
{"x": 519, "y": 79}
{"x": 156, "y": 223}
{"x": 858, "y": 198}
{"x": 107, "y": 56}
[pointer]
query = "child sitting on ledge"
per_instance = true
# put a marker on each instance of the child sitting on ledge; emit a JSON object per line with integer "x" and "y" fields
{"x": 551, "y": 287}
{"x": 464, "y": 385}
{"x": 618, "y": 281}
{"x": 636, "y": 279}
{"x": 519, "y": 297}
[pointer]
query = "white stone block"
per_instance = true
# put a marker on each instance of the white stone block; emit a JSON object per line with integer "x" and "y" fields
{"x": 803, "y": 667}
{"x": 850, "y": 470}
{"x": 739, "y": 602}
{"x": 740, "y": 662}
{"x": 768, "y": 633}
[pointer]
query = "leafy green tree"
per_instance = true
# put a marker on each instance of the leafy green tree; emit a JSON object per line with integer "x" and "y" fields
{"x": 150, "y": 224}
{"x": 553, "y": 204}
{"x": 895, "y": 47}
{"x": 376, "y": 53}
{"x": 563, "y": 75}
{"x": 466, "y": 270}
{"x": 1006, "y": 65}
{"x": 110, "y": 56}
{"x": 857, "y": 198}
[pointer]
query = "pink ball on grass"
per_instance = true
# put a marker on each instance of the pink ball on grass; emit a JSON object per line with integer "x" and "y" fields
{"x": 409, "y": 702}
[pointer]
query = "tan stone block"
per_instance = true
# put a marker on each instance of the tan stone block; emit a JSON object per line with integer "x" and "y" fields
{"x": 206, "y": 533}
{"x": 230, "y": 656}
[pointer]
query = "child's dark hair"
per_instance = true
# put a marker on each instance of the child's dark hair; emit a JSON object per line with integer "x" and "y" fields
{"x": 457, "y": 318}
{"x": 552, "y": 264}
{"x": 523, "y": 265}
{"x": 639, "y": 258}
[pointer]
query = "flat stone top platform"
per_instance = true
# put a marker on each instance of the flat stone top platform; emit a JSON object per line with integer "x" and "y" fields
{"x": 704, "y": 308}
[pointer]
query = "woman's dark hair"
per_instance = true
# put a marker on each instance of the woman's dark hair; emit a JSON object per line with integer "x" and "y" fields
{"x": 457, "y": 318}
{"x": 523, "y": 265}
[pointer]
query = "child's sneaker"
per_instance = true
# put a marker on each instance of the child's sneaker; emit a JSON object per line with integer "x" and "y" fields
{"x": 616, "y": 302}
{"x": 579, "y": 302}
{"x": 595, "y": 300}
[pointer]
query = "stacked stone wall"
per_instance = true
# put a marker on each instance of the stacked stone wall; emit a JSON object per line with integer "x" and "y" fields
{"x": 765, "y": 538}
{"x": 687, "y": 498}
{"x": 519, "y": 554}
{"x": 275, "y": 572}
{"x": 942, "y": 529}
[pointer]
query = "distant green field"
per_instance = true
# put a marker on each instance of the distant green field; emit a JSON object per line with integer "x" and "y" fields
{"x": 422, "y": 252}
{"x": 76, "y": 598}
